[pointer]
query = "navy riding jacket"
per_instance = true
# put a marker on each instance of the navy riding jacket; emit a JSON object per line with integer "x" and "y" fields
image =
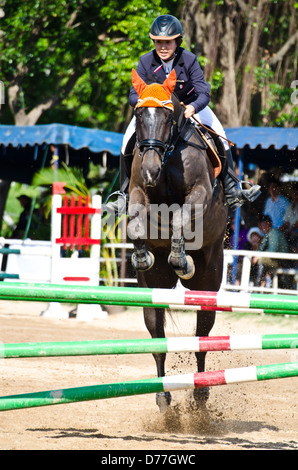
{"x": 191, "y": 87}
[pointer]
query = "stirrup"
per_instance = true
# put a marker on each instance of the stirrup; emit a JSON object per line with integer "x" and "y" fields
{"x": 119, "y": 206}
{"x": 250, "y": 194}
{"x": 236, "y": 200}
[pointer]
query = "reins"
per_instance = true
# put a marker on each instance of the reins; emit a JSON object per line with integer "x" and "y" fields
{"x": 207, "y": 128}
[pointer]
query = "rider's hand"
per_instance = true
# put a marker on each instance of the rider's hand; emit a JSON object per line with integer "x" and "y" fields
{"x": 189, "y": 111}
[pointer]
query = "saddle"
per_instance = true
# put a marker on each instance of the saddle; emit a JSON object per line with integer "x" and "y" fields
{"x": 213, "y": 147}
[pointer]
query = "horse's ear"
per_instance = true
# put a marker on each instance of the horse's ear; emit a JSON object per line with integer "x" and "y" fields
{"x": 137, "y": 82}
{"x": 170, "y": 82}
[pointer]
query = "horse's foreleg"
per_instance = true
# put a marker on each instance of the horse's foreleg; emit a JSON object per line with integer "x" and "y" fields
{"x": 141, "y": 259}
{"x": 154, "y": 320}
{"x": 182, "y": 263}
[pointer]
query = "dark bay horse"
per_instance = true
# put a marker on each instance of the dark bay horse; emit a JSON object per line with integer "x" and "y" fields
{"x": 177, "y": 211}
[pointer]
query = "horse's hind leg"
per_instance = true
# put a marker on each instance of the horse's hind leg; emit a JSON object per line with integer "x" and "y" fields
{"x": 205, "y": 322}
{"x": 154, "y": 321}
{"x": 160, "y": 276}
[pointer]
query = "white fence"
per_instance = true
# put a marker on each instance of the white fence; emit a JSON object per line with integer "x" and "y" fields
{"x": 33, "y": 263}
{"x": 244, "y": 282}
{"x": 244, "y": 260}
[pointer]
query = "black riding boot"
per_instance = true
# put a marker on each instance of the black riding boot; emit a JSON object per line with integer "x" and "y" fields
{"x": 119, "y": 205}
{"x": 236, "y": 196}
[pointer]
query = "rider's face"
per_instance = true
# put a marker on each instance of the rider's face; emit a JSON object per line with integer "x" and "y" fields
{"x": 164, "y": 48}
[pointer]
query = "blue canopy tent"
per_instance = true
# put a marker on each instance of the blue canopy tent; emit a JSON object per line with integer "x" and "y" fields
{"x": 24, "y": 149}
{"x": 57, "y": 134}
{"x": 265, "y": 137}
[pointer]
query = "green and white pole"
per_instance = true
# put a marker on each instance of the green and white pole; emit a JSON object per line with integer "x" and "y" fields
{"x": 160, "y": 384}
{"x": 135, "y": 296}
{"x": 154, "y": 345}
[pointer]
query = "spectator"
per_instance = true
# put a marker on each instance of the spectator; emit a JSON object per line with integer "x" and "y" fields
{"x": 20, "y": 228}
{"x": 40, "y": 226}
{"x": 273, "y": 241}
{"x": 254, "y": 238}
{"x": 276, "y": 205}
{"x": 242, "y": 237}
{"x": 290, "y": 225}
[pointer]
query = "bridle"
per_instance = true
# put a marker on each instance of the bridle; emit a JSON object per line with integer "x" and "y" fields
{"x": 163, "y": 149}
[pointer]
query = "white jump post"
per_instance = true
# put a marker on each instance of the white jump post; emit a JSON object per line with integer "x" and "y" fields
{"x": 77, "y": 226}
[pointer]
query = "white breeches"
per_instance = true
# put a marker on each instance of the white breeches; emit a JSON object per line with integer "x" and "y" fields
{"x": 130, "y": 130}
{"x": 206, "y": 117}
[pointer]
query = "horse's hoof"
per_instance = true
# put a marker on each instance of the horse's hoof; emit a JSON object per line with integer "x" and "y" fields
{"x": 201, "y": 396}
{"x": 188, "y": 269}
{"x": 143, "y": 264}
{"x": 163, "y": 400}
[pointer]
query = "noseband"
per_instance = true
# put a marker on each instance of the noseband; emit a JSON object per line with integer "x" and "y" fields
{"x": 163, "y": 149}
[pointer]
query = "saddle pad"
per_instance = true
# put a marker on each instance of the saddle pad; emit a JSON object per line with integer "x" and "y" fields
{"x": 211, "y": 151}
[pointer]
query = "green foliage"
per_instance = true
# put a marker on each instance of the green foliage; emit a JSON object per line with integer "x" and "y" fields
{"x": 278, "y": 99}
{"x": 73, "y": 178}
{"x": 111, "y": 234}
{"x": 80, "y": 52}
{"x": 217, "y": 80}
{"x": 126, "y": 39}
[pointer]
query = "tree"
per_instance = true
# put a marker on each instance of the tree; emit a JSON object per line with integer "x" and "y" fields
{"x": 60, "y": 52}
{"x": 70, "y": 60}
{"x": 252, "y": 46}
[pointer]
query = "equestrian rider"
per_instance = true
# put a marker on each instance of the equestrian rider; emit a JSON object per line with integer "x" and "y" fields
{"x": 192, "y": 89}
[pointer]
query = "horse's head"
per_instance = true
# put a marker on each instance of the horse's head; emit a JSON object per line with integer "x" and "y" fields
{"x": 154, "y": 124}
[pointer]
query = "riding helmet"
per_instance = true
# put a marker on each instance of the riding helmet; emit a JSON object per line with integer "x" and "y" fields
{"x": 166, "y": 27}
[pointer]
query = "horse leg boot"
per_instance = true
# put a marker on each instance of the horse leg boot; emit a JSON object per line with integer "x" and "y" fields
{"x": 235, "y": 196}
{"x": 119, "y": 206}
{"x": 141, "y": 258}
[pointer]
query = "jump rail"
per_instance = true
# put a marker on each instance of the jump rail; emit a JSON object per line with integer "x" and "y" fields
{"x": 135, "y": 296}
{"x": 155, "y": 345}
{"x": 160, "y": 384}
